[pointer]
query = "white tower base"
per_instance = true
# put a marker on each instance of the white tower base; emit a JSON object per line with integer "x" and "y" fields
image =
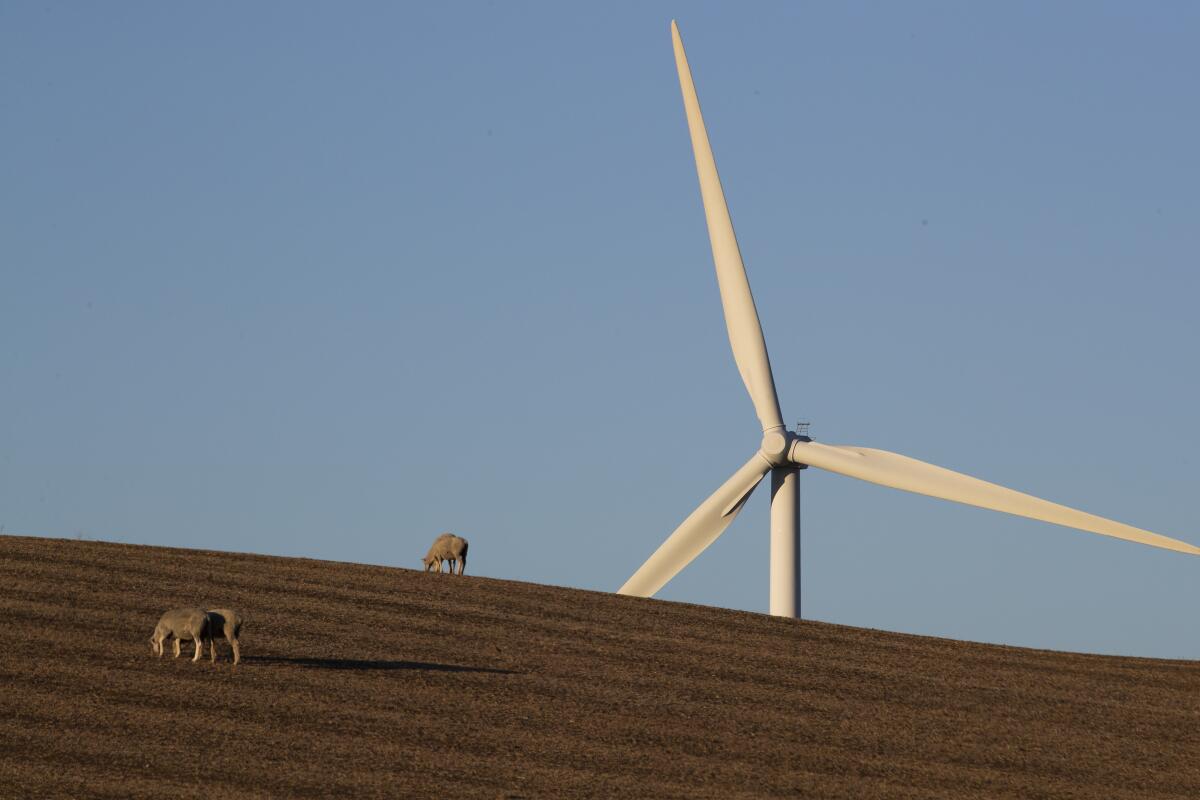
{"x": 785, "y": 542}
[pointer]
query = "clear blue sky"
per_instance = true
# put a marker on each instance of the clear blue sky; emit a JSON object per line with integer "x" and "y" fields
{"x": 326, "y": 280}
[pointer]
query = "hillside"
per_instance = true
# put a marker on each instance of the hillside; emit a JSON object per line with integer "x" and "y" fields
{"x": 364, "y": 681}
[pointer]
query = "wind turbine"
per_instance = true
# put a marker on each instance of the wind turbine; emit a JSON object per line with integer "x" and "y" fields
{"x": 783, "y": 453}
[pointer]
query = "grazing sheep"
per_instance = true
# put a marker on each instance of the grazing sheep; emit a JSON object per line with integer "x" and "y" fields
{"x": 446, "y": 548}
{"x": 433, "y": 556}
{"x": 224, "y": 623}
{"x": 180, "y": 624}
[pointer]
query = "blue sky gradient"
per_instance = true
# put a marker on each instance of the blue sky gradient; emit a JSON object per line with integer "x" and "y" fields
{"x": 325, "y": 280}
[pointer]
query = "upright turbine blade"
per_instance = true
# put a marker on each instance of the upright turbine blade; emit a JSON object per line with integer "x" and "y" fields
{"x": 741, "y": 317}
{"x": 901, "y": 472}
{"x": 698, "y": 531}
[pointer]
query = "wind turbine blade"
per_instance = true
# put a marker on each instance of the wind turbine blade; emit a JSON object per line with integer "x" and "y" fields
{"x": 741, "y": 316}
{"x": 901, "y": 472}
{"x": 698, "y": 531}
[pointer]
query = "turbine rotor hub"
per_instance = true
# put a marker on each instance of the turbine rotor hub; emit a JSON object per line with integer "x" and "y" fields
{"x": 776, "y": 443}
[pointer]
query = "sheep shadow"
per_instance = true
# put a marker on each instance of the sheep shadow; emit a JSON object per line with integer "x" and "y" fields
{"x": 354, "y": 664}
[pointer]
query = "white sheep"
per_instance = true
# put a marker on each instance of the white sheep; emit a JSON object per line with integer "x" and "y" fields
{"x": 446, "y": 548}
{"x": 181, "y": 624}
{"x": 224, "y": 623}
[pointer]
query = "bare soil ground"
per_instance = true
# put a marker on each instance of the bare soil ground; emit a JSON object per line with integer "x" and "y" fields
{"x": 364, "y": 681}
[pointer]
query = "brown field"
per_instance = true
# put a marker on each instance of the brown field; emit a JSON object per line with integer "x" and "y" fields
{"x": 363, "y": 681}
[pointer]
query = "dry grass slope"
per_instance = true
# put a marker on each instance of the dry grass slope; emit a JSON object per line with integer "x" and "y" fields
{"x": 364, "y": 681}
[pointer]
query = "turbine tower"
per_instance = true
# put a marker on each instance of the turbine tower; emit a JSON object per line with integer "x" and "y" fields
{"x": 784, "y": 453}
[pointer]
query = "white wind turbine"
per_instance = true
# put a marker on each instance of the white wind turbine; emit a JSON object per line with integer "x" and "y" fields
{"x": 783, "y": 453}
